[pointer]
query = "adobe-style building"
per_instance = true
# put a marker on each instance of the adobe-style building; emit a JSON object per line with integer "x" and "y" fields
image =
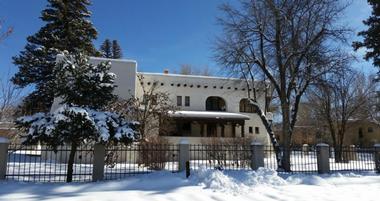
{"x": 208, "y": 107}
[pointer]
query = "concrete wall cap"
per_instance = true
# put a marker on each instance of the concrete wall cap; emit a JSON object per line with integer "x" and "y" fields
{"x": 322, "y": 145}
{"x": 184, "y": 141}
{"x": 4, "y": 140}
{"x": 255, "y": 143}
{"x": 377, "y": 145}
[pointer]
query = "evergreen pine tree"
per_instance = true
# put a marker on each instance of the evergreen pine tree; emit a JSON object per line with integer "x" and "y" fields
{"x": 372, "y": 35}
{"x": 116, "y": 50}
{"x": 85, "y": 90}
{"x": 106, "y": 49}
{"x": 67, "y": 28}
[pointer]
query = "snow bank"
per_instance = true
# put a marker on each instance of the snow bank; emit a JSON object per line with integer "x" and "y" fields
{"x": 237, "y": 182}
{"x": 243, "y": 182}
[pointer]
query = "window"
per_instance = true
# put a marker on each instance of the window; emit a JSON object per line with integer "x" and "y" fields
{"x": 145, "y": 99}
{"x": 179, "y": 100}
{"x": 215, "y": 103}
{"x": 257, "y": 130}
{"x": 370, "y": 129}
{"x": 246, "y": 106}
{"x": 250, "y": 129}
{"x": 187, "y": 101}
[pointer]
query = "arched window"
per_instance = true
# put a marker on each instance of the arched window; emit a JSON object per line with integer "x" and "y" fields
{"x": 246, "y": 106}
{"x": 215, "y": 103}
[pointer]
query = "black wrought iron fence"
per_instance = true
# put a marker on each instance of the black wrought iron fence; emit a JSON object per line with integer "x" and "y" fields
{"x": 222, "y": 157}
{"x": 42, "y": 164}
{"x": 351, "y": 158}
{"x": 270, "y": 160}
{"x": 122, "y": 161}
{"x": 303, "y": 159}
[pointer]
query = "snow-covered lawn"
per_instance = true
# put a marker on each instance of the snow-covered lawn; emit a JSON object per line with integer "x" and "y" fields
{"x": 203, "y": 184}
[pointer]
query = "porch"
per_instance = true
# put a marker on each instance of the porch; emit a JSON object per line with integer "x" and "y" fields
{"x": 204, "y": 124}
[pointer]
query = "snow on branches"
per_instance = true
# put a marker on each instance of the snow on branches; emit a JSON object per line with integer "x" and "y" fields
{"x": 79, "y": 82}
{"x": 85, "y": 90}
{"x": 82, "y": 124}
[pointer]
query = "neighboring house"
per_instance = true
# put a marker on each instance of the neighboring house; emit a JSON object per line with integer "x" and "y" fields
{"x": 309, "y": 131}
{"x": 207, "y": 106}
{"x": 362, "y": 133}
{"x": 8, "y": 130}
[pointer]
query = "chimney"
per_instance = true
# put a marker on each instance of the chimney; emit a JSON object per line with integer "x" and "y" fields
{"x": 166, "y": 71}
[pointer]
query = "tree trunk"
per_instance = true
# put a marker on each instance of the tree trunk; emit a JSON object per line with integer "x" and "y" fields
{"x": 286, "y": 133}
{"x": 270, "y": 132}
{"x": 338, "y": 154}
{"x": 70, "y": 164}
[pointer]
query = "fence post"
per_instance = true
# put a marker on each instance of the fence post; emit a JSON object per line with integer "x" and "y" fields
{"x": 98, "y": 163}
{"x": 4, "y": 142}
{"x": 377, "y": 157}
{"x": 257, "y": 159}
{"x": 323, "y": 153}
{"x": 184, "y": 154}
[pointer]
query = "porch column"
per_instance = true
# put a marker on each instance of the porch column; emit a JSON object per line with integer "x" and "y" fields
{"x": 242, "y": 130}
{"x": 202, "y": 129}
{"x": 222, "y": 129}
{"x": 233, "y": 126}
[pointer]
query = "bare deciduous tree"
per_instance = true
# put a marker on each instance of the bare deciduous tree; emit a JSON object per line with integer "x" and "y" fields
{"x": 151, "y": 110}
{"x": 337, "y": 99}
{"x": 9, "y": 93}
{"x": 6, "y": 33}
{"x": 289, "y": 43}
{"x": 10, "y": 96}
{"x": 187, "y": 69}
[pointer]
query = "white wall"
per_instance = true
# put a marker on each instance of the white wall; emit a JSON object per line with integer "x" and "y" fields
{"x": 199, "y": 95}
{"x": 125, "y": 71}
{"x": 231, "y": 90}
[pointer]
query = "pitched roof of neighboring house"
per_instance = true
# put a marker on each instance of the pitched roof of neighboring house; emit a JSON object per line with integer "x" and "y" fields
{"x": 7, "y": 129}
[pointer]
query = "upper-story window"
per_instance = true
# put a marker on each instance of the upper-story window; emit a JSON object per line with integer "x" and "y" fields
{"x": 215, "y": 103}
{"x": 179, "y": 100}
{"x": 370, "y": 129}
{"x": 246, "y": 106}
{"x": 187, "y": 101}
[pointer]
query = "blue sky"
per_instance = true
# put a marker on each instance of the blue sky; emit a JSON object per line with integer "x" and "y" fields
{"x": 158, "y": 34}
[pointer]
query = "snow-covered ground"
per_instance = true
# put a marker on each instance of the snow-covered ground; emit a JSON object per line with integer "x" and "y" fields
{"x": 263, "y": 185}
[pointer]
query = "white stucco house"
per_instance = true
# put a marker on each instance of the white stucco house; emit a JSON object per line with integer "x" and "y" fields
{"x": 208, "y": 107}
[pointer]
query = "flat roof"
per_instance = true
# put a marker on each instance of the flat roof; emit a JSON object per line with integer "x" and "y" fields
{"x": 208, "y": 115}
{"x": 190, "y": 76}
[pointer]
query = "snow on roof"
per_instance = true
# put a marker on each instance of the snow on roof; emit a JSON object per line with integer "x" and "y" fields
{"x": 208, "y": 115}
{"x": 194, "y": 76}
{"x": 239, "y": 80}
{"x": 110, "y": 59}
